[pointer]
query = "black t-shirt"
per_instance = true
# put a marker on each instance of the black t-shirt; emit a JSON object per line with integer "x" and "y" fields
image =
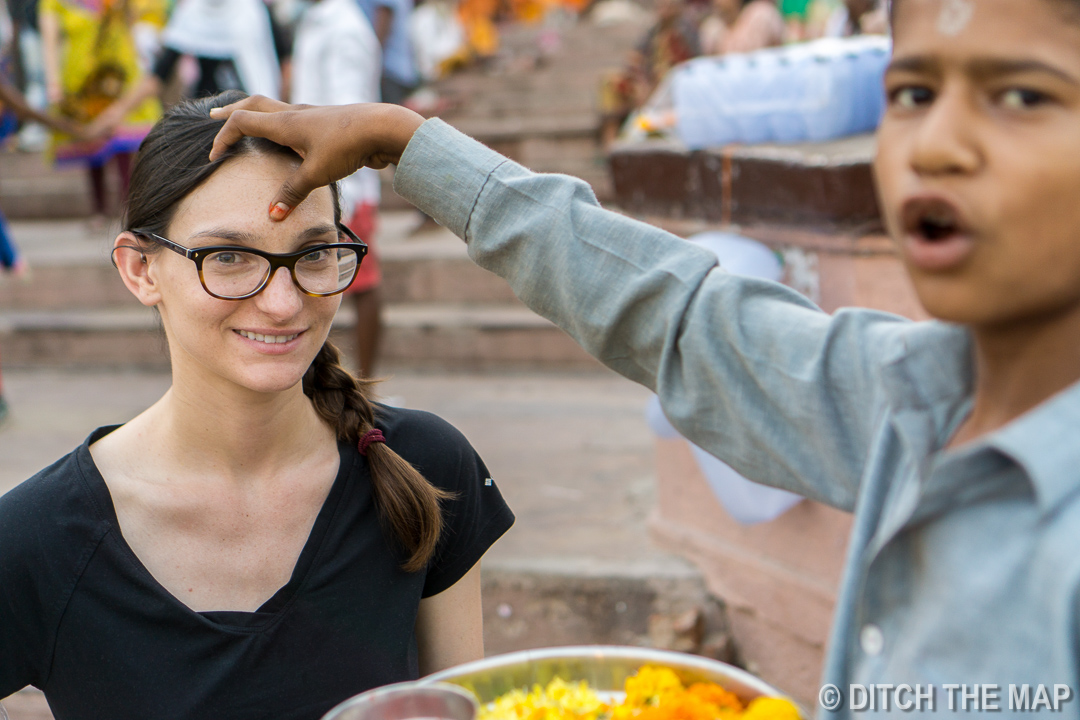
{"x": 83, "y": 620}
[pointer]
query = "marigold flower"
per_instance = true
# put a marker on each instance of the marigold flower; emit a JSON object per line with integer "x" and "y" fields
{"x": 654, "y": 693}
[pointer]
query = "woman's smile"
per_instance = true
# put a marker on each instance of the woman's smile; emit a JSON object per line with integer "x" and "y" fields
{"x": 271, "y": 342}
{"x": 267, "y": 337}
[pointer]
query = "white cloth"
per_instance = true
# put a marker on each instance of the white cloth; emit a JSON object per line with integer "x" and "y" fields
{"x": 228, "y": 29}
{"x": 436, "y": 34}
{"x": 337, "y": 61}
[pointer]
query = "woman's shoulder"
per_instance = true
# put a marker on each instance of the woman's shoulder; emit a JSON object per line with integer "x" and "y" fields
{"x": 55, "y": 510}
{"x": 50, "y": 531}
{"x": 421, "y": 437}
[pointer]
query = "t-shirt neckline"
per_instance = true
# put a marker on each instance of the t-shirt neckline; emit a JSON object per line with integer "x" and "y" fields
{"x": 271, "y": 610}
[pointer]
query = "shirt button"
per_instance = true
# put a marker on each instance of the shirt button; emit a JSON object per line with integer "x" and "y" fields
{"x": 872, "y": 640}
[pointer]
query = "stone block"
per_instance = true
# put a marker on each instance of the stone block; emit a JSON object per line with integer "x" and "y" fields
{"x": 825, "y": 185}
{"x": 524, "y": 610}
{"x": 778, "y": 578}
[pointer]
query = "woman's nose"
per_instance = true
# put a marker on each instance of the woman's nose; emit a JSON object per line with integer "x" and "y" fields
{"x": 280, "y": 298}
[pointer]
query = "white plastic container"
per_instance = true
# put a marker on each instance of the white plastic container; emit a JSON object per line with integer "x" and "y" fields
{"x": 808, "y": 92}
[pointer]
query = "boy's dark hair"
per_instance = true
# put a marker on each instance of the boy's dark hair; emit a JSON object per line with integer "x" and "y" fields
{"x": 171, "y": 163}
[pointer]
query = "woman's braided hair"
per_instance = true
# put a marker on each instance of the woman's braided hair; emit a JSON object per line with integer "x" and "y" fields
{"x": 407, "y": 502}
{"x": 172, "y": 162}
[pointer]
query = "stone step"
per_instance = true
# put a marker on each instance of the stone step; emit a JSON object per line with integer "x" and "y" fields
{"x": 814, "y": 185}
{"x": 427, "y": 336}
{"x": 29, "y": 188}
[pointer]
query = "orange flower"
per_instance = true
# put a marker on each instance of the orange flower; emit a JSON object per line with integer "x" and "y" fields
{"x": 716, "y": 695}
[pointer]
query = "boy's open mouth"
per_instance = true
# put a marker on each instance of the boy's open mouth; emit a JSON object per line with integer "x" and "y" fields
{"x": 931, "y": 220}
{"x": 936, "y": 236}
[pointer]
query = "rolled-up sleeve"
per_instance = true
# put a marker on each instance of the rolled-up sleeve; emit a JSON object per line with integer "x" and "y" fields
{"x": 749, "y": 370}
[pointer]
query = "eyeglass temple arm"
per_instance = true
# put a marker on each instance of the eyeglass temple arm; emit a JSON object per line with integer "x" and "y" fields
{"x": 189, "y": 254}
{"x": 165, "y": 242}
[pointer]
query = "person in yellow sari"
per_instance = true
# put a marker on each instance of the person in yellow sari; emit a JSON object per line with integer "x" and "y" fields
{"x": 92, "y": 76}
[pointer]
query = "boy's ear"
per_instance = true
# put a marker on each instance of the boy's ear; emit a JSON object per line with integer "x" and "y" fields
{"x": 134, "y": 267}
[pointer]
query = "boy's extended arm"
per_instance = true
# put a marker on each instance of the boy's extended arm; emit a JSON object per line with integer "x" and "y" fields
{"x": 749, "y": 370}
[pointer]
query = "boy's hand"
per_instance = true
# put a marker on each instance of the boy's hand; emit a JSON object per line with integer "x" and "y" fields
{"x": 334, "y": 141}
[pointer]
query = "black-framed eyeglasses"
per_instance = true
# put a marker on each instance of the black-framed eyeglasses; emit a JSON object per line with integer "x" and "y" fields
{"x": 231, "y": 272}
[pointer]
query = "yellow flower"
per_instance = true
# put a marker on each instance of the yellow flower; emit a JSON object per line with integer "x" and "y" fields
{"x": 771, "y": 708}
{"x": 655, "y": 693}
{"x": 650, "y": 683}
{"x": 560, "y": 700}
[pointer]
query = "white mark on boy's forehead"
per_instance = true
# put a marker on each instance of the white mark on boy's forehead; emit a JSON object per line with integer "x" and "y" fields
{"x": 955, "y": 16}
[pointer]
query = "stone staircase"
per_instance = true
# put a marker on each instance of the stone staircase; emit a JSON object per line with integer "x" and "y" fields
{"x": 538, "y": 108}
{"x": 542, "y": 110}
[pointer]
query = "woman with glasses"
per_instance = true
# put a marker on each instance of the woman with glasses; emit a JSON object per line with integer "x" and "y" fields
{"x": 264, "y": 541}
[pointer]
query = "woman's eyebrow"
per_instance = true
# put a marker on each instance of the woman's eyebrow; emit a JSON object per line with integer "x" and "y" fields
{"x": 237, "y": 236}
{"x": 246, "y": 238}
{"x": 318, "y": 231}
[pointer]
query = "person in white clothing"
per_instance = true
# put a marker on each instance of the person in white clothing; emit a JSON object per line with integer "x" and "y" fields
{"x": 337, "y": 61}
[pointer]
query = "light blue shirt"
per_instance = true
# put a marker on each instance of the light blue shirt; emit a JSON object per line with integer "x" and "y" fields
{"x": 397, "y": 58}
{"x": 963, "y": 565}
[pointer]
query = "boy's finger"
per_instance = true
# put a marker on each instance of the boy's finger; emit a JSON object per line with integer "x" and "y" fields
{"x": 256, "y": 103}
{"x": 251, "y": 123}
{"x": 293, "y": 191}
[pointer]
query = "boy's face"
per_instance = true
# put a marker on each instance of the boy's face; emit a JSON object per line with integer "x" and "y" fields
{"x": 978, "y": 162}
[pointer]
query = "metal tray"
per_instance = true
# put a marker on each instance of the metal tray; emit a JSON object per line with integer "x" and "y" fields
{"x": 604, "y": 667}
{"x": 406, "y": 701}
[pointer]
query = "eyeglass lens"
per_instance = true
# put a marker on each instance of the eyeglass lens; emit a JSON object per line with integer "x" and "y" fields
{"x": 236, "y": 273}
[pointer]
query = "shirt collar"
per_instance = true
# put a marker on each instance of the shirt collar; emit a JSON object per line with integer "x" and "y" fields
{"x": 929, "y": 378}
{"x": 1044, "y": 442}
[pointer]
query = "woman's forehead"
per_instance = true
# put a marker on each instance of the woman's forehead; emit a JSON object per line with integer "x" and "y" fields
{"x": 239, "y": 195}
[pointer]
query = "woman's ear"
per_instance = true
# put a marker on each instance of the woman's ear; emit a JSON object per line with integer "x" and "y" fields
{"x": 134, "y": 267}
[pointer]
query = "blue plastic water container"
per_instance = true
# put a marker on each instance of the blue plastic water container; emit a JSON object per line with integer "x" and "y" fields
{"x": 812, "y": 91}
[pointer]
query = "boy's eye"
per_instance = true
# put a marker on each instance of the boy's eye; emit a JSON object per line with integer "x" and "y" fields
{"x": 1021, "y": 99}
{"x": 911, "y": 96}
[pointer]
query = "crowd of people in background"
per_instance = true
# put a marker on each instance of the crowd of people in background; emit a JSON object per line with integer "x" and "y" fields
{"x": 686, "y": 29}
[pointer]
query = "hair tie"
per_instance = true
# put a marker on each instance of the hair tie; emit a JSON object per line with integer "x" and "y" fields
{"x": 373, "y": 435}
